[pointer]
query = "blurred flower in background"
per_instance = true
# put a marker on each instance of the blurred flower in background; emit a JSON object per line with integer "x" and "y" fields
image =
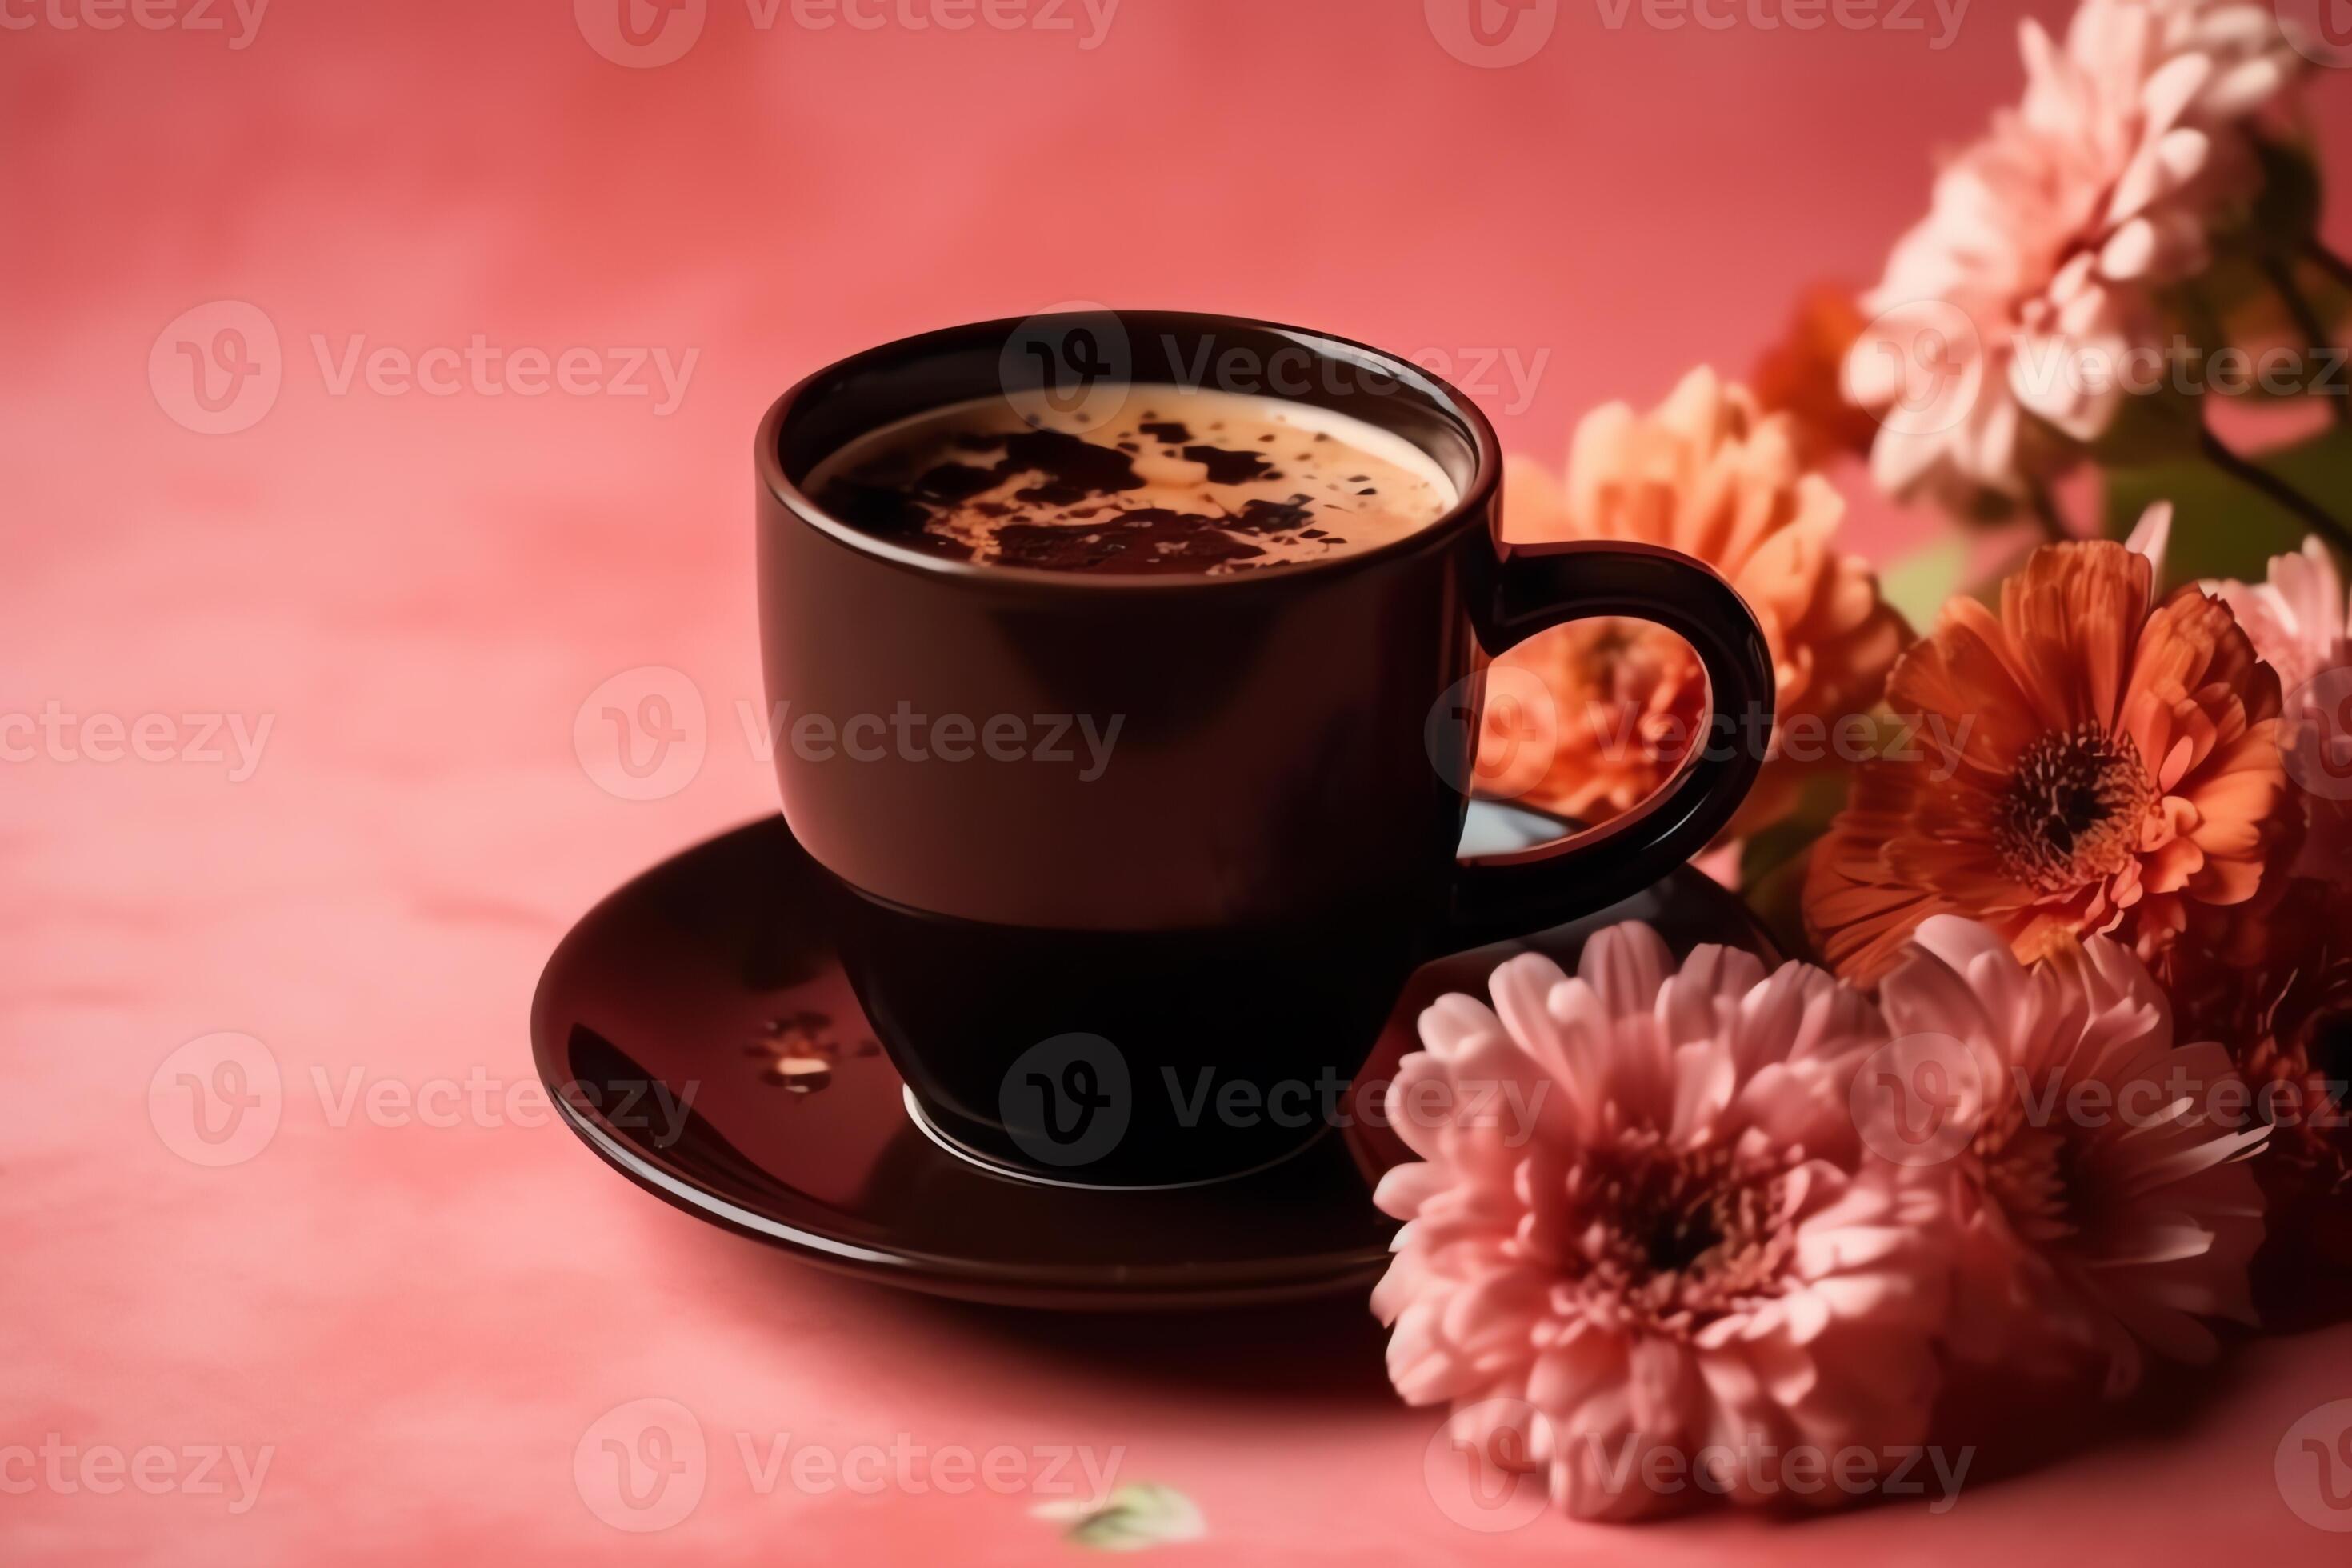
{"x": 1803, "y": 376}
{"x": 2003, "y": 326}
{"x": 1706, "y": 473}
{"x": 2283, "y": 1006}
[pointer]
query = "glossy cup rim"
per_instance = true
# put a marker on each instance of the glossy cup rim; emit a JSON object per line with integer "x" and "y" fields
{"x": 1475, "y": 502}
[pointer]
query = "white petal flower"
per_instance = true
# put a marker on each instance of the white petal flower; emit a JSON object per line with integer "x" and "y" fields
{"x": 2046, "y": 239}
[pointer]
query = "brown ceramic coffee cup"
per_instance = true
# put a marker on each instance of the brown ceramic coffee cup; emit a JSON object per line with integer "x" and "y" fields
{"x": 1142, "y": 966}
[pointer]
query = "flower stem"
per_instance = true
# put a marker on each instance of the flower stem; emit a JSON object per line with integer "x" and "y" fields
{"x": 2327, "y": 262}
{"x": 2238, "y": 468}
{"x": 2280, "y": 274}
{"x": 2045, "y": 511}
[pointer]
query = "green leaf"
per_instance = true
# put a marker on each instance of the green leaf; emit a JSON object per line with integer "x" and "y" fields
{"x": 2164, "y": 424}
{"x": 1131, "y": 1518}
{"x": 2222, "y": 527}
{"x": 1822, "y": 798}
{"x": 1779, "y": 904}
{"x": 1921, "y": 583}
{"x": 1772, "y": 863}
{"x": 2255, "y": 318}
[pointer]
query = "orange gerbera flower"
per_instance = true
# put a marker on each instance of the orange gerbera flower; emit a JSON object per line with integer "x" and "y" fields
{"x": 1800, "y": 375}
{"x": 1707, "y": 474}
{"x": 2088, "y": 761}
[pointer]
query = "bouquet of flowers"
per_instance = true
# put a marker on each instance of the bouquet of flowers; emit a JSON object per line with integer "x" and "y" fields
{"x": 2063, "y": 1087}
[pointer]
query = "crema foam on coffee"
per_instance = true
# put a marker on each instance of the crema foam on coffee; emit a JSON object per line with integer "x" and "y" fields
{"x": 1175, "y": 481}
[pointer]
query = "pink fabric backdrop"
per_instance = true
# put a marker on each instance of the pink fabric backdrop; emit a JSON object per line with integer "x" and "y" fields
{"x": 416, "y": 593}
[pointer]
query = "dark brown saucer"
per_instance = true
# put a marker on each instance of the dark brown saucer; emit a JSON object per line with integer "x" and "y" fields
{"x": 700, "y": 1035}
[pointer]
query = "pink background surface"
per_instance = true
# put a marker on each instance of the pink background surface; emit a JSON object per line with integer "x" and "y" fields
{"x": 420, "y": 591}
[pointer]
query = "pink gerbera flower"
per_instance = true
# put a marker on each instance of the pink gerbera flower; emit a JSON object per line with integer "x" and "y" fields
{"x": 1682, "y": 1244}
{"x": 2300, "y": 623}
{"x": 2100, "y": 1202}
{"x": 2008, "y": 317}
{"x": 2298, "y": 617}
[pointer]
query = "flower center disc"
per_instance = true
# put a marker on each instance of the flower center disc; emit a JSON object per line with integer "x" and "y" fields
{"x": 1680, "y": 1239}
{"x": 2072, "y": 811}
